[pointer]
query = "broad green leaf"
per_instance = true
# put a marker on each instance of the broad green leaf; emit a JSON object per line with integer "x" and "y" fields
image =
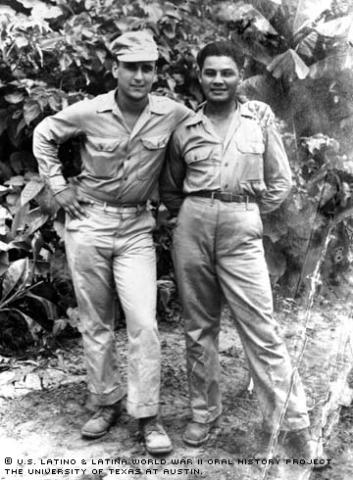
{"x": 31, "y": 110}
{"x": 289, "y": 65}
{"x": 308, "y": 44}
{"x": 59, "y": 227}
{"x": 31, "y": 190}
{"x": 230, "y": 11}
{"x": 20, "y": 219}
{"x": 307, "y": 12}
{"x": 15, "y": 97}
{"x": 35, "y": 219}
{"x": 50, "y": 307}
{"x": 20, "y": 126}
{"x": 17, "y": 275}
{"x": 3, "y": 191}
{"x": 16, "y": 181}
{"x": 41, "y": 10}
{"x": 4, "y": 247}
{"x": 338, "y": 28}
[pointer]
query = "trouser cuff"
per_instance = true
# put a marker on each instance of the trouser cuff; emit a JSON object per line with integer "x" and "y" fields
{"x": 106, "y": 399}
{"x": 142, "y": 411}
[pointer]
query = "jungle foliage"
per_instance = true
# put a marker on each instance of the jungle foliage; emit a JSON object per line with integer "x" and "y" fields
{"x": 298, "y": 58}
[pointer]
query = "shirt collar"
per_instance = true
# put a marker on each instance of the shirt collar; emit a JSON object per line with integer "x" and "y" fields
{"x": 156, "y": 104}
{"x": 244, "y": 111}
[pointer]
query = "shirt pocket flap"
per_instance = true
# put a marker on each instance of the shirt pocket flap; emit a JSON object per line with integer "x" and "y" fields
{"x": 256, "y": 147}
{"x": 155, "y": 143}
{"x": 104, "y": 144}
{"x": 198, "y": 154}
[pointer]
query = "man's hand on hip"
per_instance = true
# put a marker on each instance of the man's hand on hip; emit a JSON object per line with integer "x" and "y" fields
{"x": 71, "y": 202}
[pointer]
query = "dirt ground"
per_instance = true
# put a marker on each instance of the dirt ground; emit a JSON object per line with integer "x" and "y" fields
{"x": 43, "y": 406}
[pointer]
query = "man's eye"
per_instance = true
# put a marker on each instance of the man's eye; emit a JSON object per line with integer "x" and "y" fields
{"x": 147, "y": 68}
{"x": 228, "y": 73}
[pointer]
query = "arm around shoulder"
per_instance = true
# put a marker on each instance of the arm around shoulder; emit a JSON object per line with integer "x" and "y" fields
{"x": 172, "y": 177}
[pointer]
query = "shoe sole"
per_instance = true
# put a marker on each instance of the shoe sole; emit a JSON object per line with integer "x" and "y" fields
{"x": 195, "y": 443}
{"x": 93, "y": 435}
{"x": 158, "y": 451}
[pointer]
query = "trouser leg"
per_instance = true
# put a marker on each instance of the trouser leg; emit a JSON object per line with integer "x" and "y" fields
{"x": 244, "y": 279}
{"x": 90, "y": 266}
{"x": 135, "y": 277}
{"x": 200, "y": 296}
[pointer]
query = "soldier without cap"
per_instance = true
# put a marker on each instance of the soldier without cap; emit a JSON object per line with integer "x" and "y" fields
{"x": 108, "y": 230}
{"x": 225, "y": 166}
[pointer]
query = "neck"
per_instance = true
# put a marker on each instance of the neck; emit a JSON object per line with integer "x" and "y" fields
{"x": 218, "y": 109}
{"x": 129, "y": 105}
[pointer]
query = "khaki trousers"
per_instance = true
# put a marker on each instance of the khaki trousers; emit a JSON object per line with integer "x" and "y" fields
{"x": 111, "y": 251}
{"x": 218, "y": 253}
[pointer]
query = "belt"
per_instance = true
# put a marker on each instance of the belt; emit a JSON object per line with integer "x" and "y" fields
{"x": 96, "y": 198}
{"x": 223, "y": 196}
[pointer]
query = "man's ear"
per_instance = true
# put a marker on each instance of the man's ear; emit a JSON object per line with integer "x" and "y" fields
{"x": 198, "y": 72}
{"x": 115, "y": 66}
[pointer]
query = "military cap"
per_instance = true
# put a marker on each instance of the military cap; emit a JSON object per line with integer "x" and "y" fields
{"x": 136, "y": 46}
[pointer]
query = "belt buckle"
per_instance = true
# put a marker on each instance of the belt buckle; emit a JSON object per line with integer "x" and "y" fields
{"x": 227, "y": 196}
{"x": 213, "y": 196}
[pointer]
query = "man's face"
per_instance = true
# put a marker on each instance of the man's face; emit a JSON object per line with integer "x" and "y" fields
{"x": 135, "y": 79}
{"x": 219, "y": 79}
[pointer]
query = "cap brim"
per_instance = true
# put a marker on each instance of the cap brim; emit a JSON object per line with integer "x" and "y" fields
{"x": 138, "y": 57}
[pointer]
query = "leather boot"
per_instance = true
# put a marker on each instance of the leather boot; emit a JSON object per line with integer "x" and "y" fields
{"x": 198, "y": 433}
{"x": 155, "y": 437}
{"x": 99, "y": 424}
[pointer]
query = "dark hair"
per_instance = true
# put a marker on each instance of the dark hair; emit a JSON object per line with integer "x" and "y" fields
{"x": 220, "y": 49}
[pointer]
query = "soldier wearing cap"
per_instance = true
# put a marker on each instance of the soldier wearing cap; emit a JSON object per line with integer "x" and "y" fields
{"x": 225, "y": 165}
{"x": 108, "y": 230}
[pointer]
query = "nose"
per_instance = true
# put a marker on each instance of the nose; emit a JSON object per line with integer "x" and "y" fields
{"x": 218, "y": 78}
{"x": 138, "y": 74}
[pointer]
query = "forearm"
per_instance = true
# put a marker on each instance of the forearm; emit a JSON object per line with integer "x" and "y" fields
{"x": 172, "y": 179}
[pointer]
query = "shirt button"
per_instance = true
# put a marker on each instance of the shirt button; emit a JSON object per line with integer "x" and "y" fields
{"x": 226, "y": 164}
{"x": 125, "y": 178}
{"x": 226, "y": 185}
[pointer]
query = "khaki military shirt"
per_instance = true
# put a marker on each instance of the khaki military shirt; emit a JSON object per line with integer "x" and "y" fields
{"x": 251, "y": 160}
{"x": 118, "y": 164}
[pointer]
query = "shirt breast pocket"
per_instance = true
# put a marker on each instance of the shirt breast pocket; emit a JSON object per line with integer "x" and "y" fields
{"x": 151, "y": 156}
{"x": 250, "y": 159}
{"x": 104, "y": 157}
